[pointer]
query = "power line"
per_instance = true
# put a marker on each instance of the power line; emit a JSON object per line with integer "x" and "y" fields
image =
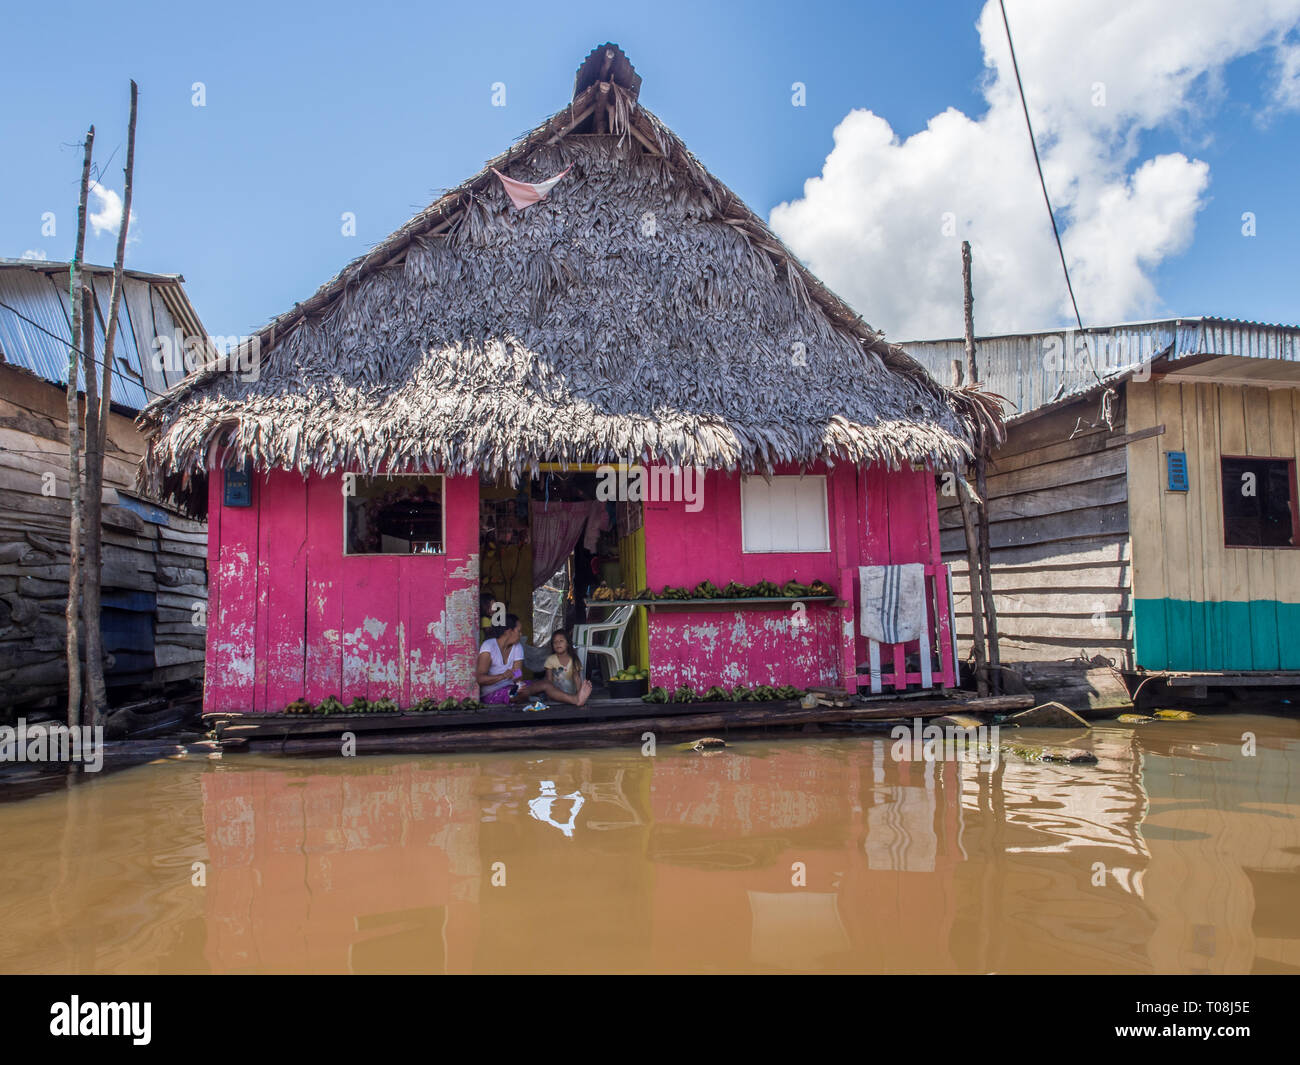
{"x": 94, "y": 359}
{"x": 1015, "y": 66}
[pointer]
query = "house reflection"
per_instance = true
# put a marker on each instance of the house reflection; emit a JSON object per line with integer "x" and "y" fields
{"x": 804, "y": 857}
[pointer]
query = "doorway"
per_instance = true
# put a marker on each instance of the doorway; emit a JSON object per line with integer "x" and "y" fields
{"x": 552, "y": 550}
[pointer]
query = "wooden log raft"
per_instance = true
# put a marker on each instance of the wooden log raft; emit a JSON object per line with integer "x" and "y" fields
{"x": 305, "y": 737}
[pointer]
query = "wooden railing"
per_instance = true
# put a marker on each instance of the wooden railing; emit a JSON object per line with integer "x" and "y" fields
{"x": 888, "y": 663}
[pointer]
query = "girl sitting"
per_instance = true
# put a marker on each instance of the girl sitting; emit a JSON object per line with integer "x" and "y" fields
{"x": 500, "y": 671}
{"x": 562, "y": 667}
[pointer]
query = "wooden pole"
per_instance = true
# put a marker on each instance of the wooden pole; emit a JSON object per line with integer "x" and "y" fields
{"x": 75, "y": 292}
{"x": 968, "y": 522}
{"x": 968, "y": 310}
{"x": 986, "y": 577}
{"x": 97, "y": 445}
{"x": 92, "y": 516}
{"x": 981, "y": 486}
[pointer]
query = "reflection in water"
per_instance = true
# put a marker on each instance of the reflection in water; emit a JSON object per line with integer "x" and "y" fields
{"x": 1176, "y": 852}
{"x": 540, "y": 808}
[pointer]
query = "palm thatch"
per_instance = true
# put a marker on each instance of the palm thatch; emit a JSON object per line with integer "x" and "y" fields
{"x": 641, "y": 311}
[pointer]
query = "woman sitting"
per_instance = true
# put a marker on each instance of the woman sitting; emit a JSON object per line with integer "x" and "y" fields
{"x": 500, "y": 672}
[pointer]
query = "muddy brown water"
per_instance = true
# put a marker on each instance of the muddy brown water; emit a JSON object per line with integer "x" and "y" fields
{"x": 1177, "y": 852}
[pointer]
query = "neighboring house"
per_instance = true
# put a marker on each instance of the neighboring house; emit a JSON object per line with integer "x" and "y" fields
{"x": 154, "y": 578}
{"x": 1164, "y": 541}
{"x": 640, "y": 313}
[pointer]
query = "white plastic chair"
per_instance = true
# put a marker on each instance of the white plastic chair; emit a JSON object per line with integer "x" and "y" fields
{"x": 603, "y": 638}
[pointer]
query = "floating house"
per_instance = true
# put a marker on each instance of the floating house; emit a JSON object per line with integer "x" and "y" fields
{"x": 1143, "y": 508}
{"x": 593, "y": 300}
{"x": 155, "y": 571}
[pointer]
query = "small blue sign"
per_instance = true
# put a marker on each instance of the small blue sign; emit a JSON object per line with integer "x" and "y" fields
{"x": 239, "y": 486}
{"x": 1176, "y": 463}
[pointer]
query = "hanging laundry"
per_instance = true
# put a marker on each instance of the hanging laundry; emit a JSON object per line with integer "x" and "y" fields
{"x": 893, "y": 602}
{"x": 522, "y": 194}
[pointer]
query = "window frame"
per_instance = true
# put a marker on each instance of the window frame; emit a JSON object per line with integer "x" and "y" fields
{"x": 442, "y": 483}
{"x": 1295, "y": 504}
{"x": 826, "y": 515}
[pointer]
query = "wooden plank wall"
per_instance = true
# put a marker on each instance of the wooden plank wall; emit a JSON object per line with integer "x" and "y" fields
{"x": 1058, "y": 510}
{"x": 875, "y": 515}
{"x": 1201, "y": 605}
{"x": 294, "y": 617}
{"x": 155, "y": 579}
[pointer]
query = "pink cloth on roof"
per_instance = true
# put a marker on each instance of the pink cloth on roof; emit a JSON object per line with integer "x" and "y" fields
{"x": 522, "y": 194}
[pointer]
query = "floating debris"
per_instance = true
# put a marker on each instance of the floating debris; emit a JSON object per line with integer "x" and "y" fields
{"x": 704, "y": 743}
{"x": 1048, "y": 715}
{"x": 1034, "y": 753}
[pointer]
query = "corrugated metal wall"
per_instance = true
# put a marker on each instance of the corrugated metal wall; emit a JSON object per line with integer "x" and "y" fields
{"x": 1034, "y": 369}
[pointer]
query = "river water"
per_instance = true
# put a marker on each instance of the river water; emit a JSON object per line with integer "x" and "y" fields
{"x": 1178, "y": 851}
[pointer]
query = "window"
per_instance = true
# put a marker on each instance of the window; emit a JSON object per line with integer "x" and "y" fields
{"x": 783, "y": 514}
{"x": 1259, "y": 502}
{"x": 399, "y": 515}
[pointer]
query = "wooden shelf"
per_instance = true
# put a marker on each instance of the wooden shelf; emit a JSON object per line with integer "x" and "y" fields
{"x": 751, "y": 603}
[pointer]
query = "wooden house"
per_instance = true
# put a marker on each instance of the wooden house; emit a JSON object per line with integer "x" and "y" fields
{"x": 154, "y": 577}
{"x": 637, "y": 317}
{"x": 1143, "y": 509}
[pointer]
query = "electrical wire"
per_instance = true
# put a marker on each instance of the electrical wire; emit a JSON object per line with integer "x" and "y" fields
{"x": 94, "y": 359}
{"x": 1015, "y": 66}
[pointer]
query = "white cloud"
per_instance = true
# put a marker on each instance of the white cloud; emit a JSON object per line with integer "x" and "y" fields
{"x": 1097, "y": 76}
{"x": 1286, "y": 93}
{"x": 105, "y": 214}
{"x": 35, "y": 253}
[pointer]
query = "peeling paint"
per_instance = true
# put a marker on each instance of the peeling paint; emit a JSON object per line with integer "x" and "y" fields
{"x": 467, "y": 572}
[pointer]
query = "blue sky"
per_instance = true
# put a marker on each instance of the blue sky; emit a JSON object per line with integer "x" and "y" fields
{"x": 314, "y": 110}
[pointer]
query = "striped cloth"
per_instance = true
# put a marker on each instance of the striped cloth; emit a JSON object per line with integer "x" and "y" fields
{"x": 893, "y": 602}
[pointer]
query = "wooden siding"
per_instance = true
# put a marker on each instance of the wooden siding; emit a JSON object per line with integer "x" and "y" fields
{"x": 875, "y": 516}
{"x": 1058, "y": 514}
{"x": 155, "y": 579}
{"x": 294, "y": 617}
{"x": 1201, "y": 605}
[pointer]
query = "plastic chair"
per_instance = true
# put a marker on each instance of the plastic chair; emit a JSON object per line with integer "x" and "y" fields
{"x": 603, "y": 637}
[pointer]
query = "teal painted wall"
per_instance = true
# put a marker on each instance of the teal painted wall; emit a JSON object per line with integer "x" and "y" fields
{"x": 1178, "y": 634}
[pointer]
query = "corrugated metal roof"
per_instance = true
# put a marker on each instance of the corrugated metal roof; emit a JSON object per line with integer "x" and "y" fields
{"x": 37, "y": 332}
{"x": 1034, "y": 369}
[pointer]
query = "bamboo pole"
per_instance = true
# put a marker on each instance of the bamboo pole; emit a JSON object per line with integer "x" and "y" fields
{"x": 96, "y": 693}
{"x": 75, "y": 293}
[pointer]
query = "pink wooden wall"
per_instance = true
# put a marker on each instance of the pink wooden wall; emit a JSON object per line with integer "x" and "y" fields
{"x": 876, "y": 516}
{"x": 290, "y": 616}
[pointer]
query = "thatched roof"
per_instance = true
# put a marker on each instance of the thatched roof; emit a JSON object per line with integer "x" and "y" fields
{"x": 640, "y": 311}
